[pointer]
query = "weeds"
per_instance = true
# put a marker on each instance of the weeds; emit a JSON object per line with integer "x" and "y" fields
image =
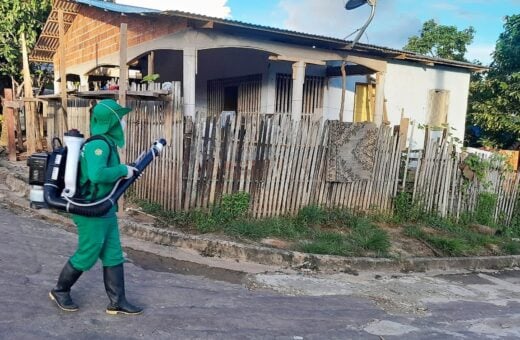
{"x": 331, "y": 243}
{"x": 285, "y": 228}
{"x": 485, "y": 210}
{"x": 405, "y": 210}
{"x": 342, "y": 232}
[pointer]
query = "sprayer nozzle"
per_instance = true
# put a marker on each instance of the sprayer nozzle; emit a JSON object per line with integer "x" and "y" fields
{"x": 158, "y": 145}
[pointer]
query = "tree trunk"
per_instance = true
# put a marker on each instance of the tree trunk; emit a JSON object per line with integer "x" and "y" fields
{"x": 343, "y": 90}
{"x": 32, "y": 130}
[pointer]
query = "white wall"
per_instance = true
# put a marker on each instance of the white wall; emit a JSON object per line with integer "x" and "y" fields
{"x": 332, "y": 104}
{"x": 407, "y": 88}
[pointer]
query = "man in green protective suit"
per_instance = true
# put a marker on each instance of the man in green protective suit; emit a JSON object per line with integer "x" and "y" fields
{"x": 98, "y": 237}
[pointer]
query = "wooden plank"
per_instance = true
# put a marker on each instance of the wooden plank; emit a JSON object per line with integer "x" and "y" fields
{"x": 246, "y": 155}
{"x": 280, "y": 159}
{"x": 216, "y": 161}
{"x": 123, "y": 67}
{"x": 263, "y": 163}
{"x": 31, "y": 129}
{"x": 63, "y": 73}
{"x": 235, "y": 144}
{"x": 295, "y": 179}
{"x": 9, "y": 113}
{"x": 285, "y": 160}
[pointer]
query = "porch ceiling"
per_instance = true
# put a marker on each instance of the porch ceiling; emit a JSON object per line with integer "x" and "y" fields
{"x": 49, "y": 39}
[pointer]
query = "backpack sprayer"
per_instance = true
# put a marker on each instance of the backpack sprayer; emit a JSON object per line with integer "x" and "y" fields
{"x": 53, "y": 177}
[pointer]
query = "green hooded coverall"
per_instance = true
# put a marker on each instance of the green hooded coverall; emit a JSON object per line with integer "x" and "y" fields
{"x": 98, "y": 237}
{"x": 100, "y": 169}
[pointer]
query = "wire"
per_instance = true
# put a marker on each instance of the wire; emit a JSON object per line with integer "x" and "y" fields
{"x": 106, "y": 198}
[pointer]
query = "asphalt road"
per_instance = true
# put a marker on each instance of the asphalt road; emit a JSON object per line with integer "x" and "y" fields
{"x": 270, "y": 306}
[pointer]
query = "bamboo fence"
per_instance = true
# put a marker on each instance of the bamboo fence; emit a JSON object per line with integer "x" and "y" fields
{"x": 440, "y": 184}
{"x": 282, "y": 164}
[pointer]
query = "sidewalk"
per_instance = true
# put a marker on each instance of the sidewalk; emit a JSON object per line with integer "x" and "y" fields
{"x": 214, "y": 248}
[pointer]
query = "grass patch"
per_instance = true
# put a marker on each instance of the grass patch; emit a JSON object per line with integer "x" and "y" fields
{"x": 364, "y": 238}
{"x": 331, "y": 243}
{"x": 284, "y": 228}
{"x": 343, "y": 232}
{"x": 511, "y": 247}
{"x": 451, "y": 239}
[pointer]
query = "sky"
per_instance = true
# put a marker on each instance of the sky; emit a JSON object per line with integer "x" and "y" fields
{"x": 394, "y": 22}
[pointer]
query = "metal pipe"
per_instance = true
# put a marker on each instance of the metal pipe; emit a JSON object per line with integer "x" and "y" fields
{"x": 364, "y": 27}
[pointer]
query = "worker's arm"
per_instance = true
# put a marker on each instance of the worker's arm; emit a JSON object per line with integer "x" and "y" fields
{"x": 97, "y": 153}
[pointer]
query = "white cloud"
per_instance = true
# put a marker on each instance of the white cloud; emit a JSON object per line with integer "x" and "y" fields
{"x": 214, "y": 8}
{"x": 480, "y": 52}
{"x": 388, "y": 28}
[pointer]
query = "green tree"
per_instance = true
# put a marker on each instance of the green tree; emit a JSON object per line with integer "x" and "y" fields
{"x": 17, "y": 17}
{"x": 494, "y": 103}
{"x": 441, "y": 41}
{"x": 494, "y": 106}
{"x": 507, "y": 51}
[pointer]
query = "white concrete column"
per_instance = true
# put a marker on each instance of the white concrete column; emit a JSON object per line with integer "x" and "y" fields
{"x": 56, "y": 82}
{"x": 188, "y": 80}
{"x": 269, "y": 94}
{"x": 298, "y": 76}
{"x": 83, "y": 83}
{"x": 380, "y": 98}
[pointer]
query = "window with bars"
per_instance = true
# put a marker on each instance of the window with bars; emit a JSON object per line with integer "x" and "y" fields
{"x": 240, "y": 94}
{"x": 313, "y": 88}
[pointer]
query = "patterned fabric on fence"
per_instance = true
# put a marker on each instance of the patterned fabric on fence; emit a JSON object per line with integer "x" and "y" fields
{"x": 352, "y": 148}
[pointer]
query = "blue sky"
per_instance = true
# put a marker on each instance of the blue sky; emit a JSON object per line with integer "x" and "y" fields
{"x": 394, "y": 22}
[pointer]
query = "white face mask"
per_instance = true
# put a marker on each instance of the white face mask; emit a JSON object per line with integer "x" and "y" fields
{"x": 123, "y": 125}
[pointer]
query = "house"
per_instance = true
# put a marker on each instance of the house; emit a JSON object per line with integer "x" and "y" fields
{"x": 227, "y": 65}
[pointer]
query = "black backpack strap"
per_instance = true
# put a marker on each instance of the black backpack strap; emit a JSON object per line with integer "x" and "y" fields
{"x": 84, "y": 189}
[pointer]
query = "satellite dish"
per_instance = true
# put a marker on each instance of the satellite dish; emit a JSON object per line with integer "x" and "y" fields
{"x": 353, "y": 4}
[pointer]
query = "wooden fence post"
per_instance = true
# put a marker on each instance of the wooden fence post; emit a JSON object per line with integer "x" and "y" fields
{"x": 10, "y": 124}
{"x": 63, "y": 124}
{"x": 123, "y": 78}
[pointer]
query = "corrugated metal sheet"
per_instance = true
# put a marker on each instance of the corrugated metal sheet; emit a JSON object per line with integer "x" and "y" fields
{"x": 113, "y": 7}
{"x": 48, "y": 42}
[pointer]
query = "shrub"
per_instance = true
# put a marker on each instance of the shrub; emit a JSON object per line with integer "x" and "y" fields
{"x": 405, "y": 210}
{"x": 326, "y": 243}
{"x": 485, "y": 210}
{"x": 367, "y": 237}
{"x": 151, "y": 208}
{"x": 312, "y": 215}
{"x": 232, "y": 207}
{"x": 511, "y": 247}
{"x": 269, "y": 227}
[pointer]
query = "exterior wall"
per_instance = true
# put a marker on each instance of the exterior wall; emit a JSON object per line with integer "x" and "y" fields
{"x": 94, "y": 34}
{"x": 333, "y": 94}
{"x": 407, "y": 89}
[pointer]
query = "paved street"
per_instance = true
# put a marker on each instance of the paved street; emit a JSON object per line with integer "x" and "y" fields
{"x": 266, "y": 306}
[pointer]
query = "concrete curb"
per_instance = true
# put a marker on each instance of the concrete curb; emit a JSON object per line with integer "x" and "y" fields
{"x": 277, "y": 257}
{"x": 268, "y": 256}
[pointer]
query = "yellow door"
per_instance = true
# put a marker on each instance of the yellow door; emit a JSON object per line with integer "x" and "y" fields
{"x": 364, "y": 103}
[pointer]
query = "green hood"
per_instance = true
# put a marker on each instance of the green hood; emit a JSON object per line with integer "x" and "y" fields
{"x": 106, "y": 120}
